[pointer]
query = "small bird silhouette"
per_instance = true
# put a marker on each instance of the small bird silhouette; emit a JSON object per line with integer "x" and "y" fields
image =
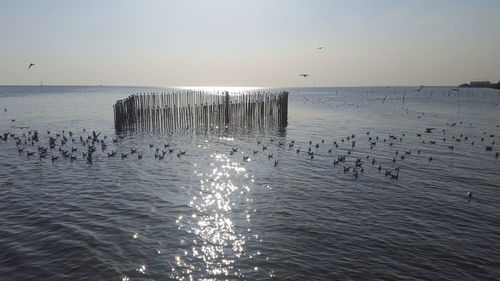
{"x": 469, "y": 194}
{"x": 305, "y": 75}
{"x": 31, "y": 64}
{"x": 320, "y": 48}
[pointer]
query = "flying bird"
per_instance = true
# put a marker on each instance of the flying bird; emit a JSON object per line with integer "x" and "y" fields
{"x": 304, "y": 75}
{"x": 320, "y": 48}
{"x": 31, "y": 64}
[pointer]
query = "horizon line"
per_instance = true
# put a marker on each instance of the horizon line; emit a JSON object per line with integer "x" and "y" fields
{"x": 214, "y": 87}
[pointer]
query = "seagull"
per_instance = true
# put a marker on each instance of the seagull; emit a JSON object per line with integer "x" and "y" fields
{"x": 304, "y": 75}
{"x": 469, "y": 195}
{"x": 31, "y": 64}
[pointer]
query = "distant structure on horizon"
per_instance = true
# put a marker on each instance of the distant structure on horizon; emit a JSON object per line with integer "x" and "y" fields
{"x": 481, "y": 84}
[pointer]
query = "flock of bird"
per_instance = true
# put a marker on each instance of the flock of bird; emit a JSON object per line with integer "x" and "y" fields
{"x": 66, "y": 145}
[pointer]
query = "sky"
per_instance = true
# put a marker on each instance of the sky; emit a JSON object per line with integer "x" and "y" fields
{"x": 260, "y": 43}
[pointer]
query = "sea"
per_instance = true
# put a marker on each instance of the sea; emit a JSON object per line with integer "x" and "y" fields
{"x": 416, "y": 198}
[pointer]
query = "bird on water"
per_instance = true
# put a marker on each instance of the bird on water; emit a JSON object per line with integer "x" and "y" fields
{"x": 469, "y": 196}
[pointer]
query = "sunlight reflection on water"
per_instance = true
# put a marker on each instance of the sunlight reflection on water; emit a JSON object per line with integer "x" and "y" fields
{"x": 221, "y": 89}
{"x": 217, "y": 244}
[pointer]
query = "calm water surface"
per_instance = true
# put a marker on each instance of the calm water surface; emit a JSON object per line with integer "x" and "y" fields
{"x": 208, "y": 215}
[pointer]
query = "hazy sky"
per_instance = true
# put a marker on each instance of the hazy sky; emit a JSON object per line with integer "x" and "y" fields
{"x": 249, "y": 43}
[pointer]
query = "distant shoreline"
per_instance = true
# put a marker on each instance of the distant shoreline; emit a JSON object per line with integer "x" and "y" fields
{"x": 481, "y": 84}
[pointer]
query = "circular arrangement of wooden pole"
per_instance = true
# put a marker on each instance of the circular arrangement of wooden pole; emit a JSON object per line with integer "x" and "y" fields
{"x": 200, "y": 110}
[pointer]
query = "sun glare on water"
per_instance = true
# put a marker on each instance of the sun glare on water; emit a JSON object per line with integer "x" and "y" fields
{"x": 220, "y": 88}
{"x": 218, "y": 244}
